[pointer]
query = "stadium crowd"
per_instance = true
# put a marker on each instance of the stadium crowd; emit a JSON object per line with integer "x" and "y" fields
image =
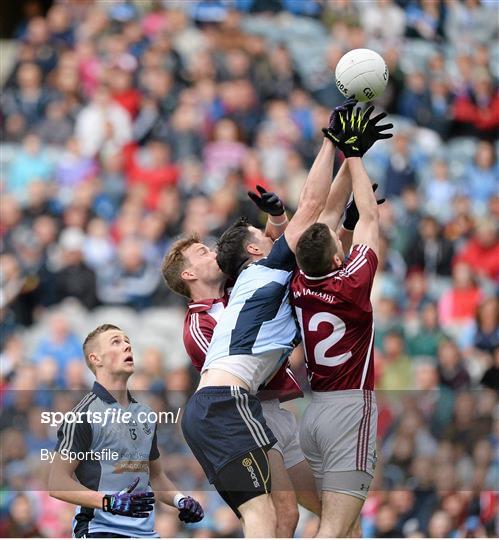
{"x": 126, "y": 124}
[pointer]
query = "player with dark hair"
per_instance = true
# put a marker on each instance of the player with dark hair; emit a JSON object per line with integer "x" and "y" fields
{"x": 190, "y": 268}
{"x": 331, "y": 297}
{"x": 105, "y": 488}
{"x": 223, "y": 421}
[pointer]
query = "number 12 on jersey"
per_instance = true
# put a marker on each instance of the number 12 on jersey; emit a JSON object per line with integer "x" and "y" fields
{"x": 309, "y": 336}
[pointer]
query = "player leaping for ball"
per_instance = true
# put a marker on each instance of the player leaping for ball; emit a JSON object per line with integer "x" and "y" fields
{"x": 190, "y": 269}
{"x": 331, "y": 296}
{"x": 223, "y": 421}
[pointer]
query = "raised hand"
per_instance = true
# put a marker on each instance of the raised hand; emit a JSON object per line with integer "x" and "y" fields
{"x": 267, "y": 201}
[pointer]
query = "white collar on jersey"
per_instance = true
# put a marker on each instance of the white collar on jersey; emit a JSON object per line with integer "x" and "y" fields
{"x": 316, "y": 278}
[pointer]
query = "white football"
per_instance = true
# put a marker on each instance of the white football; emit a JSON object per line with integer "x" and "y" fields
{"x": 363, "y": 73}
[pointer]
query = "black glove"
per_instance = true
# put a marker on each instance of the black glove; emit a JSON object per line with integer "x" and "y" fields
{"x": 190, "y": 511}
{"x": 352, "y": 213}
{"x": 347, "y": 138}
{"x": 358, "y": 133}
{"x": 334, "y": 121}
{"x": 123, "y": 503}
{"x": 370, "y": 132}
{"x": 267, "y": 201}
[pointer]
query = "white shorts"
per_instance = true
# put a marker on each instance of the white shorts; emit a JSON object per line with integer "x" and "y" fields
{"x": 284, "y": 426}
{"x": 338, "y": 438}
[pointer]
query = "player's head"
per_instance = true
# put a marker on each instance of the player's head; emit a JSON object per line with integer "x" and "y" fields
{"x": 319, "y": 250}
{"x": 190, "y": 264}
{"x": 107, "y": 350}
{"x": 241, "y": 244}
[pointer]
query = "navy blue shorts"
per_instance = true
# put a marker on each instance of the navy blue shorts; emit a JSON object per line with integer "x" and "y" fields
{"x": 223, "y": 423}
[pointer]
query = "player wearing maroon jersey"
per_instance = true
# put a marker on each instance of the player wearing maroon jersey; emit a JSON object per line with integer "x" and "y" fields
{"x": 331, "y": 297}
{"x": 289, "y": 469}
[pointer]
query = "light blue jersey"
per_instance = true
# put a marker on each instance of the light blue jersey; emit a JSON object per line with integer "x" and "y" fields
{"x": 134, "y": 444}
{"x": 258, "y": 319}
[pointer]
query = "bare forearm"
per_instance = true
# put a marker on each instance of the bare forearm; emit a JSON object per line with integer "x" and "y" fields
{"x": 362, "y": 189}
{"x": 164, "y": 489}
{"x": 276, "y": 225}
{"x": 69, "y": 490}
{"x": 339, "y": 193}
{"x": 318, "y": 182}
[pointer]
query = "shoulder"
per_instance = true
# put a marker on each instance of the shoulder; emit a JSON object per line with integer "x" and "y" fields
{"x": 87, "y": 401}
{"x": 359, "y": 256}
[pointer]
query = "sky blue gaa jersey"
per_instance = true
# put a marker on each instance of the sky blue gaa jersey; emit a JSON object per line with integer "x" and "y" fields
{"x": 135, "y": 444}
{"x": 258, "y": 319}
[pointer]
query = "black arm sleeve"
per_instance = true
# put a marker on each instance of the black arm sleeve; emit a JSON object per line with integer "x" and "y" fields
{"x": 74, "y": 436}
{"x": 154, "y": 453}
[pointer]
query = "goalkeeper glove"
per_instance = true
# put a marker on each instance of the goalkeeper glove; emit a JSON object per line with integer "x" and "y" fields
{"x": 123, "y": 503}
{"x": 352, "y": 213}
{"x": 267, "y": 201}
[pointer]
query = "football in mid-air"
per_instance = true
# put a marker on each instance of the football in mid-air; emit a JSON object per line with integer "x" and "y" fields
{"x": 362, "y": 73}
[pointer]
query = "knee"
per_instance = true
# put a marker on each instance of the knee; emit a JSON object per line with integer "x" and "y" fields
{"x": 355, "y": 530}
{"x": 333, "y": 529}
{"x": 262, "y": 512}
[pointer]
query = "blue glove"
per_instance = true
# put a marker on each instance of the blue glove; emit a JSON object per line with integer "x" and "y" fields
{"x": 123, "y": 503}
{"x": 190, "y": 511}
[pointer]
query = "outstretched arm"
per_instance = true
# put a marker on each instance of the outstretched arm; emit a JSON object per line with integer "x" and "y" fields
{"x": 337, "y": 199}
{"x": 367, "y": 229}
{"x": 313, "y": 195}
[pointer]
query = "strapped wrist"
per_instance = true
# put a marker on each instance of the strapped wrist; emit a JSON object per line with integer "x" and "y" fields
{"x": 106, "y": 503}
{"x": 177, "y": 498}
{"x": 278, "y": 224}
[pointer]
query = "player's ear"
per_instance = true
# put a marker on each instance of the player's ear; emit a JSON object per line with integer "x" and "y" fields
{"x": 188, "y": 275}
{"x": 336, "y": 261}
{"x": 253, "y": 249}
{"x": 94, "y": 360}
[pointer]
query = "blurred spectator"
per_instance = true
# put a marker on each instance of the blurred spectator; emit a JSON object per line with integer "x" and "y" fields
{"x": 30, "y": 164}
{"x": 430, "y": 250}
{"x": 29, "y": 98}
{"x": 400, "y": 171}
{"x": 487, "y": 325}
{"x": 482, "y": 252}
{"x": 481, "y": 178}
{"x": 426, "y": 340}
{"x": 383, "y": 19}
{"x": 61, "y": 344}
{"x": 451, "y": 368}
{"x": 424, "y": 20}
{"x": 458, "y": 305}
{"x": 477, "y": 111}
{"x": 151, "y": 170}
{"x": 102, "y": 124}
{"x": 131, "y": 281}
{"x": 75, "y": 279}
{"x": 439, "y": 191}
{"x": 396, "y": 370}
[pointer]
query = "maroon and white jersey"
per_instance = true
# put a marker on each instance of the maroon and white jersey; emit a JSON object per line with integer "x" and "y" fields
{"x": 336, "y": 321}
{"x": 200, "y": 321}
